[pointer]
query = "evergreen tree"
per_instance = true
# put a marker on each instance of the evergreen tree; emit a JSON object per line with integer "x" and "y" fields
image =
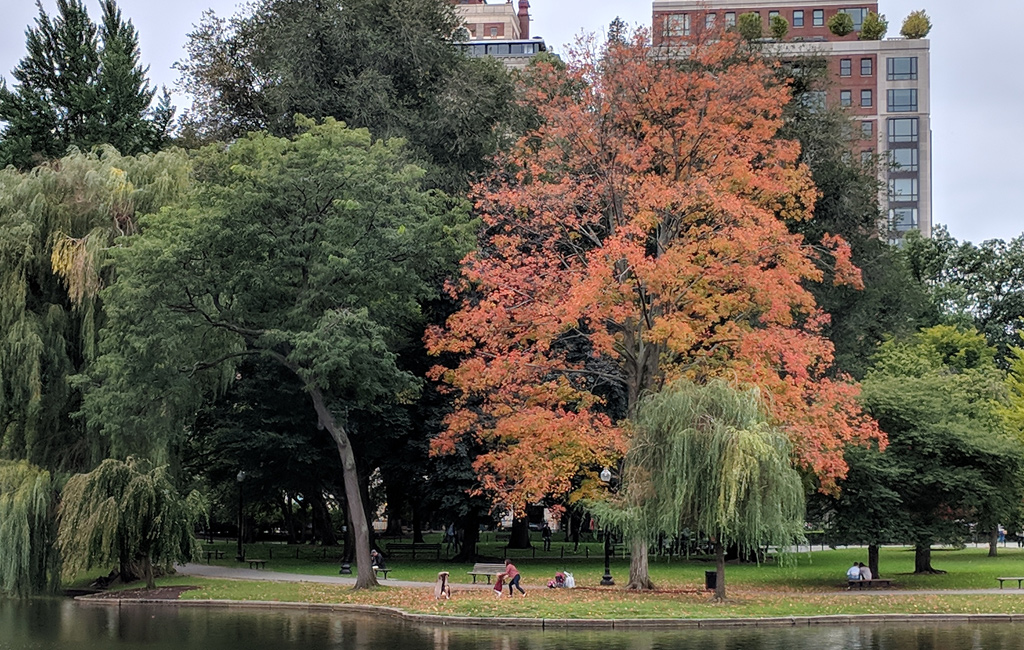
{"x": 79, "y": 85}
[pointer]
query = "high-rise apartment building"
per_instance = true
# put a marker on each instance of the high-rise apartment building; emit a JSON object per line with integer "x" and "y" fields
{"x": 883, "y": 84}
{"x": 501, "y": 30}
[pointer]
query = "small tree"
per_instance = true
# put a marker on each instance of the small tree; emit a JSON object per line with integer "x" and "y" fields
{"x": 840, "y": 24}
{"x": 779, "y": 27}
{"x": 916, "y": 25}
{"x": 28, "y": 564}
{"x": 750, "y": 26}
{"x": 705, "y": 458}
{"x": 874, "y": 27}
{"x": 126, "y": 512}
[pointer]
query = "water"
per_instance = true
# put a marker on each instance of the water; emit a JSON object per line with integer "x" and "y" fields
{"x": 63, "y": 624}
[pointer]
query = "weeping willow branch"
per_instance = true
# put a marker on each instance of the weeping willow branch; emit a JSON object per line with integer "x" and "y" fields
{"x": 28, "y": 563}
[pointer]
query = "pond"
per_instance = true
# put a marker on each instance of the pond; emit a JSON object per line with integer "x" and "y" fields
{"x": 64, "y": 624}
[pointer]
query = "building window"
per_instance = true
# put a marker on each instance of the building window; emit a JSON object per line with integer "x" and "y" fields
{"x": 772, "y": 14}
{"x": 818, "y": 17}
{"x": 903, "y": 129}
{"x": 903, "y": 160}
{"x": 858, "y": 16}
{"x": 867, "y": 129}
{"x": 798, "y": 18}
{"x": 677, "y": 25}
{"x": 903, "y": 189}
{"x": 494, "y": 31}
{"x": 867, "y": 98}
{"x": 709, "y": 21}
{"x": 901, "y": 68}
{"x": 903, "y": 219}
{"x": 846, "y": 98}
{"x": 814, "y": 100}
{"x": 867, "y": 157}
{"x": 845, "y": 67}
{"x": 867, "y": 67}
{"x": 903, "y": 100}
{"x": 730, "y": 19}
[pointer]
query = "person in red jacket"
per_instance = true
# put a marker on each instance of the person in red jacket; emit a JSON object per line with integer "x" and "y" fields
{"x": 512, "y": 574}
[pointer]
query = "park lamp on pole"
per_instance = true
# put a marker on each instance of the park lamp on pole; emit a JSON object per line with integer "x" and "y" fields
{"x": 240, "y": 477}
{"x": 606, "y": 579}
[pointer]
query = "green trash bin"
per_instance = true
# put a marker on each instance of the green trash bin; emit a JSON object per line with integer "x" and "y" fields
{"x": 711, "y": 580}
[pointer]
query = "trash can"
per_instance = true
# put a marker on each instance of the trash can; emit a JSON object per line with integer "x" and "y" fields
{"x": 710, "y": 580}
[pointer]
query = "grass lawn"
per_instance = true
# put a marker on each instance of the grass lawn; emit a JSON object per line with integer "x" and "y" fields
{"x": 809, "y": 584}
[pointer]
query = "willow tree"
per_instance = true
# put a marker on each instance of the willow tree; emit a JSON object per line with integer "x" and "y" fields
{"x": 705, "y": 458}
{"x": 57, "y": 224}
{"x": 129, "y": 513}
{"x": 28, "y": 564}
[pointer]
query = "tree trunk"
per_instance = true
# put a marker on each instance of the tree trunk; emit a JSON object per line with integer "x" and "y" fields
{"x": 719, "y": 570}
{"x": 147, "y": 570}
{"x": 365, "y": 577}
{"x": 289, "y": 519}
{"x": 470, "y": 532}
{"x": 520, "y": 534}
{"x": 639, "y": 574}
{"x": 923, "y": 559}
{"x": 324, "y": 523}
{"x": 873, "y": 560}
{"x": 417, "y": 524}
{"x": 993, "y": 542}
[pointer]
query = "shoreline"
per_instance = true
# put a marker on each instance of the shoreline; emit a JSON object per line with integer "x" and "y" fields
{"x": 559, "y": 624}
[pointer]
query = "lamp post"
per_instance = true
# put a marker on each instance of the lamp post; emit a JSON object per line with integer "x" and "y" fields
{"x": 241, "y": 555}
{"x": 606, "y": 579}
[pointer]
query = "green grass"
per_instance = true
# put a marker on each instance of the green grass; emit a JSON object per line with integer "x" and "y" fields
{"x": 808, "y": 585}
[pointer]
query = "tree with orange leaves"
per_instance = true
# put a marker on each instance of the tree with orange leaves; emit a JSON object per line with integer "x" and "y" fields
{"x": 635, "y": 237}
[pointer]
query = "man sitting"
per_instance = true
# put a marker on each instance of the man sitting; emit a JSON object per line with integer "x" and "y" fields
{"x": 853, "y": 573}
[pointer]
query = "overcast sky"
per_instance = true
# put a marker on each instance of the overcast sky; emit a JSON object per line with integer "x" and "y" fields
{"x": 977, "y": 85}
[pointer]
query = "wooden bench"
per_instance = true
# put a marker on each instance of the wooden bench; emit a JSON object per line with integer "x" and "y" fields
{"x": 257, "y": 564}
{"x": 377, "y": 572}
{"x": 873, "y": 582}
{"x": 213, "y": 554}
{"x": 412, "y": 548}
{"x": 481, "y": 569}
{"x": 1002, "y": 580}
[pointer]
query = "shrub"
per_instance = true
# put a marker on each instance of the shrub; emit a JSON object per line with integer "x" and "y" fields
{"x": 750, "y": 26}
{"x": 778, "y": 26}
{"x": 840, "y": 24}
{"x": 916, "y": 25}
{"x": 874, "y": 28}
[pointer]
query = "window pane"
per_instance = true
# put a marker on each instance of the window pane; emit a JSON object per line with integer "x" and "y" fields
{"x": 819, "y": 17}
{"x": 709, "y": 21}
{"x": 903, "y": 189}
{"x": 866, "y": 68}
{"x": 846, "y": 98}
{"x": 798, "y": 18}
{"x": 845, "y": 67}
{"x": 867, "y": 129}
{"x": 867, "y": 98}
{"x": 903, "y": 160}
{"x": 903, "y": 129}
{"x": 903, "y": 100}
{"x": 903, "y": 218}
{"x": 857, "y": 15}
{"x": 730, "y": 19}
{"x": 901, "y": 68}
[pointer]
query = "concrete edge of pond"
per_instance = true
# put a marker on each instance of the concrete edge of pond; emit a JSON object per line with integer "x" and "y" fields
{"x": 562, "y": 623}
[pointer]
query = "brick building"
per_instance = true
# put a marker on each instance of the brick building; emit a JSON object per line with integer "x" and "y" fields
{"x": 884, "y": 85}
{"x": 501, "y": 30}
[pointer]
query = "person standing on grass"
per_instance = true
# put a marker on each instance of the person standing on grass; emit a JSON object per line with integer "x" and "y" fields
{"x": 512, "y": 573}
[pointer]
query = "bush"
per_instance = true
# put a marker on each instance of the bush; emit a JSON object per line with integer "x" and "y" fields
{"x": 916, "y": 25}
{"x": 874, "y": 28}
{"x": 778, "y": 26}
{"x": 840, "y": 24}
{"x": 750, "y": 26}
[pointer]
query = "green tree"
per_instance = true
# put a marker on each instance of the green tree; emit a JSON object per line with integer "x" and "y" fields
{"x": 28, "y": 561}
{"x": 948, "y": 460}
{"x": 312, "y": 252}
{"x": 873, "y": 28}
{"x": 57, "y": 225}
{"x": 128, "y": 513}
{"x": 79, "y": 85}
{"x": 386, "y": 65}
{"x": 750, "y": 26}
{"x": 779, "y": 27}
{"x": 840, "y": 24}
{"x": 706, "y": 459}
{"x": 916, "y": 25}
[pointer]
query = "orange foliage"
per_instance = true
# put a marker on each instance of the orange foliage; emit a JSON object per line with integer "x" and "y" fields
{"x": 644, "y": 221}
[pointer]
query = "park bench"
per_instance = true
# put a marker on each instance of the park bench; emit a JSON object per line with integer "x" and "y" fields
{"x": 412, "y": 548}
{"x": 257, "y": 564}
{"x": 481, "y": 569}
{"x": 1001, "y": 580}
{"x": 377, "y": 572}
{"x": 213, "y": 554}
{"x": 873, "y": 582}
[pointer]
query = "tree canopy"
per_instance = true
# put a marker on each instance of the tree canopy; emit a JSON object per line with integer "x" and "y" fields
{"x": 80, "y": 84}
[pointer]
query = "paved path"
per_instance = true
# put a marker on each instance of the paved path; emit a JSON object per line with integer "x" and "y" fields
{"x": 232, "y": 573}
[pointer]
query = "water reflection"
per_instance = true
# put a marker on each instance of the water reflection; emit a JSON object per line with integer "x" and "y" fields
{"x": 52, "y": 624}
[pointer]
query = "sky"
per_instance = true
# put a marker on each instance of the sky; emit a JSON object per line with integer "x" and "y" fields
{"x": 977, "y": 85}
